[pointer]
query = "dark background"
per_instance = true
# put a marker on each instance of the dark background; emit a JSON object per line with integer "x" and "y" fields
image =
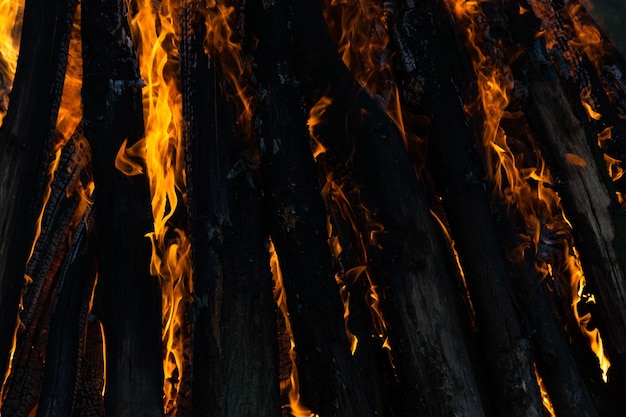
{"x": 611, "y": 15}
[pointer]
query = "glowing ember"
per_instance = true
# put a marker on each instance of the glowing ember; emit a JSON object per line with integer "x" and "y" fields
{"x": 289, "y": 388}
{"x": 155, "y": 30}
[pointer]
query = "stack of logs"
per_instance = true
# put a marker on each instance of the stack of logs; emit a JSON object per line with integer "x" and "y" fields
{"x": 459, "y": 346}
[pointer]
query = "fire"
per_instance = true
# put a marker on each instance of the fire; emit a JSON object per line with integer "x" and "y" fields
{"x": 342, "y": 195}
{"x": 156, "y": 30}
{"x": 223, "y": 45}
{"x": 11, "y": 12}
{"x": 360, "y": 31}
{"x": 522, "y": 184}
{"x": 545, "y": 398}
{"x": 289, "y": 388}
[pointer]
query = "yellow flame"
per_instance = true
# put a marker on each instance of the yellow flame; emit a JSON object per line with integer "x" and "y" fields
{"x": 156, "y": 31}
{"x": 545, "y": 398}
{"x": 336, "y": 191}
{"x": 11, "y": 12}
{"x": 522, "y": 184}
{"x": 290, "y": 387}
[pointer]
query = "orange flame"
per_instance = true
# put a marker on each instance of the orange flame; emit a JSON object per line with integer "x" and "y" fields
{"x": 338, "y": 192}
{"x": 11, "y": 12}
{"x": 156, "y": 30}
{"x": 289, "y": 388}
{"x": 522, "y": 184}
{"x": 545, "y": 398}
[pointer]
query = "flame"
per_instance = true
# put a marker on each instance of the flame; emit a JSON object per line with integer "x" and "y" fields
{"x": 289, "y": 388}
{"x": 11, "y": 12}
{"x": 156, "y": 30}
{"x": 338, "y": 192}
{"x": 361, "y": 35}
{"x": 223, "y": 45}
{"x": 522, "y": 183}
{"x": 545, "y": 398}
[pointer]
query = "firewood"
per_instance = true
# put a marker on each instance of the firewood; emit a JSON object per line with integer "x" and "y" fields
{"x": 558, "y": 120}
{"x": 66, "y": 339}
{"x": 128, "y": 300}
{"x": 235, "y": 354}
{"x": 63, "y": 210}
{"x": 409, "y": 258}
{"x": 25, "y": 142}
{"x": 297, "y": 222}
{"x": 459, "y": 178}
{"x": 88, "y": 400}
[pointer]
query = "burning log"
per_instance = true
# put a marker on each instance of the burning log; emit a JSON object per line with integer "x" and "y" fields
{"x": 112, "y": 120}
{"x": 25, "y": 143}
{"x": 298, "y": 226}
{"x": 235, "y": 346}
{"x": 223, "y": 159}
{"x": 558, "y": 120}
{"x": 453, "y": 162}
{"x": 417, "y": 278}
{"x": 65, "y": 358}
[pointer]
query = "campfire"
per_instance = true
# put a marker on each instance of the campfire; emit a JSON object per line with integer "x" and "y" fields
{"x": 311, "y": 208}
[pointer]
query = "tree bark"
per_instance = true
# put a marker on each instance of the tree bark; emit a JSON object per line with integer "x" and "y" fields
{"x": 128, "y": 300}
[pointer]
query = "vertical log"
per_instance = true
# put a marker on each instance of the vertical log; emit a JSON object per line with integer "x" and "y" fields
{"x": 235, "y": 370}
{"x": 63, "y": 210}
{"x": 329, "y": 384}
{"x": 453, "y": 162}
{"x": 409, "y": 258}
{"x": 25, "y": 142}
{"x": 64, "y": 350}
{"x": 128, "y": 299}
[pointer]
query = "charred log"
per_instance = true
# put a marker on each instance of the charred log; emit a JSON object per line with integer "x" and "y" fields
{"x": 557, "y": 118}
{"x": 453, "y": 162}
{"x": 66, "y": 340}
{"x": 112, "y": 114}
{"x": 235, "y": 352}
{"x": 297, "y": 218}
{"x": 25, "y": 142}
{"x": 413, "y": 266}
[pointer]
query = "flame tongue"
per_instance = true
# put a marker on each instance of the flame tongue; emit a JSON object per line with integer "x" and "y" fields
{"x": 155, "y": 30}
{"x": 11, "y": 12}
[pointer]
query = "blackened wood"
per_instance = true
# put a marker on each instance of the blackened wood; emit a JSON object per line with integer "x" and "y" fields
{"x": 460, "y": 179}
{"x": 25, "y": 142}
{"x": 128, "y": 300}
{"x": 372, "y": 359}
{"x": 558, "y": 121}
{"x": 89, "y": 398}
{"x": 566, "y": 384}
{"x": 59, "y": 220}
{"x": 409, "y": 258}
{"x": 328, "y": 379}
{"x": 235, "y": 354}
{"x": 66, "y": 339}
